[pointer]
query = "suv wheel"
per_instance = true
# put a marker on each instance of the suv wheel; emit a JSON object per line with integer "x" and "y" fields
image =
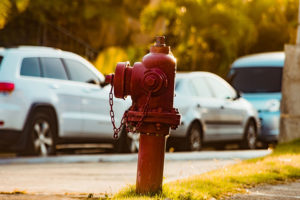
{"x": 40, "y": 135}
{"x": 250, "y": 137}
{"x": 194, "y": 139}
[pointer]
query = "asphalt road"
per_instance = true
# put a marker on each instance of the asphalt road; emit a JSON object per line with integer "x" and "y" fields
{"x": 78, "y": 175}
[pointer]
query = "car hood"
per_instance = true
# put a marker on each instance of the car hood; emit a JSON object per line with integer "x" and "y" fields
{"x": 260, "y": 100}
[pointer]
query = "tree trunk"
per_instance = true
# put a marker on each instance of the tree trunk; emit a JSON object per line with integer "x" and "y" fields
{"x": 290, "y": 103}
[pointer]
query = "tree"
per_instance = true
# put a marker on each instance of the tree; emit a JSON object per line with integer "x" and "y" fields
{"x": 93, "y": 23}
{"x": 206, "y": 34}
{"x": 9, "y": 8}
{"x": 275, "y": 21}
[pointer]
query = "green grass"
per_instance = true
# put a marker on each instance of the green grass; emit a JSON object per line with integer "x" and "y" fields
{"x": 281, "y": 166}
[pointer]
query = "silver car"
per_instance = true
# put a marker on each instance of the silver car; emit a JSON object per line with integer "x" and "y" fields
{"x": 212, "y": 112}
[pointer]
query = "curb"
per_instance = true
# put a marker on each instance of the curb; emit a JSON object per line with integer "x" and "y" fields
{"x": 182, "y": 156}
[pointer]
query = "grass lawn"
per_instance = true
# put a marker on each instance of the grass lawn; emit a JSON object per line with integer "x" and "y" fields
{"x": 282, "y": 165}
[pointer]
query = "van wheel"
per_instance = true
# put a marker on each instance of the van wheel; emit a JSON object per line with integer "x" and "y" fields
{"x": 194, "y": 138}
{"x": 40, "y": 135}
{"x": 250, "y": 136}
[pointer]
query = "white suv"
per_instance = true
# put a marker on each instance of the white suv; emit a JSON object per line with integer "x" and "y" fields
{"x": 49, "y": 96}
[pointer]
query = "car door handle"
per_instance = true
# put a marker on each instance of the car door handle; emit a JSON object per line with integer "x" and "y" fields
{"x": 84, "y": 101}
{"x": 95, "y": 89}
{"x": 198, "y": 106}
{"x": 54, "y": 86}
{"x": 90, "y": 90}
{"x": 222, "y": 107}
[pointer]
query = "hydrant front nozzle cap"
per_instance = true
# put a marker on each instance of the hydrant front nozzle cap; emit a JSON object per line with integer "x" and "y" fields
{"x": 160, "y": 41}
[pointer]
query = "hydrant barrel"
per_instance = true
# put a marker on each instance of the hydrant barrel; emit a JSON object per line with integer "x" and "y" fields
{"x": 150, "y": 164}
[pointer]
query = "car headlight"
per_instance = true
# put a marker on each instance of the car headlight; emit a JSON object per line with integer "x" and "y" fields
{"x": 273, "y": 105}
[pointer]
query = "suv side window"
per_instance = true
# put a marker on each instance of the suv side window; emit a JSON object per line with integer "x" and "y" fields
{"x": 79, "y": 72}
{"x": 190, "y": 90}
{"x": 30, "y": 67}
{"x": 53, "y": 68}
{"x": 202, "y": 89}
{"x": 221, "y": 90}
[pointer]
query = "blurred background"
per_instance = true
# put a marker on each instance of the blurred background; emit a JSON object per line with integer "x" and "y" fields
{"x": 108, "y": 31}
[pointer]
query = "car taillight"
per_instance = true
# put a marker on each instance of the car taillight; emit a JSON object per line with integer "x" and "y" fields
{"x": 6, "y": 87}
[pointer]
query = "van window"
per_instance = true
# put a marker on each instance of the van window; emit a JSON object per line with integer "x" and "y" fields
{"x": 30, "y": 67}
{"x": 257, "y": 79}
{"x": 53, "y": 68}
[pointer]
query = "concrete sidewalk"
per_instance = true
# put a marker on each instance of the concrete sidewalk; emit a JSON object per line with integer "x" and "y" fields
{"x": 288, "y": 191}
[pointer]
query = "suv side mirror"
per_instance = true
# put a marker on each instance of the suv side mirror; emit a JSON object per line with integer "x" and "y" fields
{"x": 103, "y": 84}
{"x": 238, "y": 95}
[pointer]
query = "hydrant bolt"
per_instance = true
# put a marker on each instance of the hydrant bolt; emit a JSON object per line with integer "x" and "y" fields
{"x": 160, "y": 41}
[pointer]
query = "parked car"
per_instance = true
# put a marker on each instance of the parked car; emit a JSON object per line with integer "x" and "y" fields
{"x": 50, "y": 97}
{"x": 259, "y": 78}
{"x": 212, "y": 112}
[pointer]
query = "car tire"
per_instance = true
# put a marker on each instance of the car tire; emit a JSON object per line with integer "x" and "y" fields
{"x": 250, "y": 136}
{"x": 40, "y": 133}
{"x": 194, "y": 138}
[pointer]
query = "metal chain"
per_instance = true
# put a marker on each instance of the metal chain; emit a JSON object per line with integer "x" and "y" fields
{"x": 112, "y": 114}
{"x": 145, "y": 111}
{"x": 124, "y": 118}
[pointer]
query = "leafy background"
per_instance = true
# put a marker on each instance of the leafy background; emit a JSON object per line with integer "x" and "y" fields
{"x": 204, "y": 35}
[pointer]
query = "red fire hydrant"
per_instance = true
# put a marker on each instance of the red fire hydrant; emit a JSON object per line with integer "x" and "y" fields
{"x": 150, "y": 84}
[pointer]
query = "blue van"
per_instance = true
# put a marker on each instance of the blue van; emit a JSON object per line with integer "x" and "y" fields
{"x": 258, "y": 77}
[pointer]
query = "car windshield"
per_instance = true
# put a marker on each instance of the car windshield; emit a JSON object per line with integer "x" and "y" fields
{"x": 256, "y": 79}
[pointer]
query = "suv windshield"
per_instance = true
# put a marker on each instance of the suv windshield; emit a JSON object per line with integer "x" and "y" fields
{"x": 256, "y": 79}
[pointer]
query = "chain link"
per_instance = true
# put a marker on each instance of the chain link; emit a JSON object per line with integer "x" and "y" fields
{"x": 125, "y": 116}
{"x": 145, "y": 111}
{"x": 112, "y": 114}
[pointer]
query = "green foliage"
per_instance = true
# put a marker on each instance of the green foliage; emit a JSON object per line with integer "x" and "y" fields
{"x": 107, "y": 59}
{"x": 204, "y": 34}
{"x": 209, "y": 34}
{"x": 9, "y": 8}
{"x": 275, "y": 23}
{"x": 4, "y": 8}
